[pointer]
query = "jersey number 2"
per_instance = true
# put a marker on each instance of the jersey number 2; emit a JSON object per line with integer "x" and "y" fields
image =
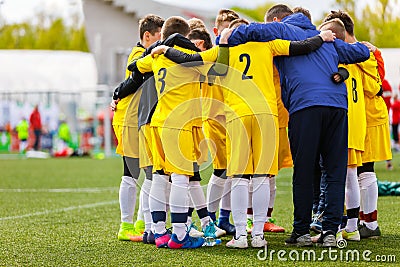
{"x": 242, "y": 58}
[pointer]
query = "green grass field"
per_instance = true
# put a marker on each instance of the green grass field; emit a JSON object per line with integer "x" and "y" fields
{"x": 65, "y": 212}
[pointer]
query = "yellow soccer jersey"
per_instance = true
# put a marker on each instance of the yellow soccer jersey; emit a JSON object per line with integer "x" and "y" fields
{"x": 212, "y": 101}
{"x": 249, "y": 85}
{"x": 129, "y": 104}
{"x": 178, "y": 90}
{"x": 283, "y": 114}
{"x": 356, "y": 108}
{"x": 375, "y": 107}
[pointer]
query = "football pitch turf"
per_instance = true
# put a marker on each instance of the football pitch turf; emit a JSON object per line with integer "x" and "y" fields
{"x": 65, "y": 212}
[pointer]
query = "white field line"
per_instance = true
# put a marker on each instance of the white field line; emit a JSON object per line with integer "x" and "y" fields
{"x": 59, "y": 190}
{"x": 45, "y": 212}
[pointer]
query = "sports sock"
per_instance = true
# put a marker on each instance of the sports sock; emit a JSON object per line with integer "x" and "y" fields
{"x": 260, "y": 203}
{"x": 158, "y": 200}
{"x": 127, "y": 198}
{"x": 352, "y": 199}
{"x": 179, "y": 203}
{"x": 272, "y": 196}
{"x": 215, "y": 190}
{"x": 145, "y": 199}
{"x": 226, "y": 195}
{"x": 239, "y": 196}
{"x": 369, "y": 197}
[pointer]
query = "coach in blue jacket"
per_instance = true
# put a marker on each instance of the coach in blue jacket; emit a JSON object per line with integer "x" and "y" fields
{"x": 318, "y": 115}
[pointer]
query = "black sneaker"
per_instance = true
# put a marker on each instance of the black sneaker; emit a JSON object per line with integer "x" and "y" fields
{"x": 365, "y": 232}
{"x": 327, "y": 239}
{"x": 145, "y": 234}
{"x": 299, "y": 240}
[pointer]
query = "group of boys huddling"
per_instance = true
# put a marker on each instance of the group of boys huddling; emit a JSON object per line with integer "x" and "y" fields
{"x": 261, "y": 87}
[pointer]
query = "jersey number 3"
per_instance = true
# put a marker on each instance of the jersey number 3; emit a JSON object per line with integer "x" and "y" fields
{"x": 242, "y": 58}
{"x": 161, "y": 74}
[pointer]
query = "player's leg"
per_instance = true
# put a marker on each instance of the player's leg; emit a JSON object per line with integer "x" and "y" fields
{"x": 240, "y": 165}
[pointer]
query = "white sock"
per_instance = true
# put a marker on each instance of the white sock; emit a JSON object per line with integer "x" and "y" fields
{"x": 226, "y": 195}
{"x": 250, "y": 200}
{"x": 369, "y": 196}
{"x": 260, "y": 203}
{"x": 352, "y": 197}
{"x": 205, "y": 221}
{"x": 215, "y": 190}
{"x": 272, "y": 194}
{"x": 140, "y": 209}
{"x": 179, "y": 202}
{"x": 127, "y": 198}
{"x": 157, "y": 199}
{"x": 167, "y": 194}
{"x": 239, "y": 199}
{"x": 197, "y": 195}
{"x": 145, "y": 199}
{"x": 159, "y": 228}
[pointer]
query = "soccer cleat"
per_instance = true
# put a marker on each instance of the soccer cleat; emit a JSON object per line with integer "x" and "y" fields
{"x": 327, "y": 239}
{"x": 316, "y": 224}
{"x": 249, "y": 226}
{"x": 211, "y": 230}
{"x": 127, "y": 233}
{"x": 365, "y": 232}
{"x": 162, "y": 240}
{"x": 273, "y": 228}
{"x": 351, "y": 236}
{"x": 241, "y": 242}
{"x": 298, "y": 240}
{"x": 148, "y": 238}
{"x": 193, "y": 232}
{"x": 224, "y": 224}
{"x": 139, "y": 226}
{"x": 187, "y": 242}
{"x": 258, "y": 241}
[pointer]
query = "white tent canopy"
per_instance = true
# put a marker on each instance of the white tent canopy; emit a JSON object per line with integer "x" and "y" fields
{"x": 43, "y": 71}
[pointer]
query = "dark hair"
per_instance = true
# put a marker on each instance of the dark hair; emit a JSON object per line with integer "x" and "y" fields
{"x": 150, "y": 23}
{"x": 225, "y": 15}
{"x": 200, "y": 34}
{"x": 280, "y": 11}
{"x": 237, "y": 22}
{"x": 302, "y": 10}
{"x": 344, "y": 17}
{"x": 175, "y": 24}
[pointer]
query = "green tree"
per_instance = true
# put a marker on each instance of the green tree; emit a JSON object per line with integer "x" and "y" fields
{"x": 377, "y": 24}
{"x": 257, "y": 13}
{"x": 48, "y": 33}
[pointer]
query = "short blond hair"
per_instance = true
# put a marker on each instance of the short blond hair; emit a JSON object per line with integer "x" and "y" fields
{"x": 336, "y": 26}
{"x": 195, "y": 24}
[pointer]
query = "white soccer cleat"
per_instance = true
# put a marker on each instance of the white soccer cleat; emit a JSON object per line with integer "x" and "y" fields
{"x": 258, "y": 241}
{"x": 241, "y": 242}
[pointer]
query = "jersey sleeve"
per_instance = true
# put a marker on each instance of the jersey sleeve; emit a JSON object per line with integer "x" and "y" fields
{"x": 136, "y": 53}
{"x": 381, "y": 64}
{"x": 145, "y": 64}
{"x": 279, "y": 47}
{"x": 371, "y": 79}
{"x": 210, "y": 55}
{"x": 257, "y": 32}
{"x": 351, "y": 53}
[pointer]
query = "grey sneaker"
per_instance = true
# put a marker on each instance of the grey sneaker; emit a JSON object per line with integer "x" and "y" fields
{"x": 365, "y": 232}
{"x": 327, "y": 239}
{"x": 299, "y": 240}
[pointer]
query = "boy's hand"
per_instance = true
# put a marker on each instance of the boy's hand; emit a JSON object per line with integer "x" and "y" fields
{"x": 337, "y": 78}
{"x": 113, "y": 104}
{"x": 158, "y": 50}
{"x": 327, "y": 36}
{"x": 225, "y": 35}
{"x": 370, "y": 46}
